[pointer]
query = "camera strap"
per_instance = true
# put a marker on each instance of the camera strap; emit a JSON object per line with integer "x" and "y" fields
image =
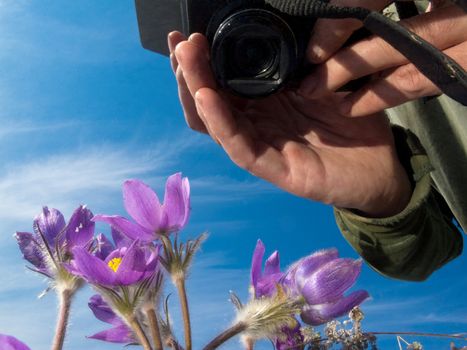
{"x": 442, "y": 70}
{"x": 461, "y": 3}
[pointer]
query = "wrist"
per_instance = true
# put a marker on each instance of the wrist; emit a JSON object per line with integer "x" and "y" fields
{"x": 392, "y": 200}
{"x": 394, "y": 197}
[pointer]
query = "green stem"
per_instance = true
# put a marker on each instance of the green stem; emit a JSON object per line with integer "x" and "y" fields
{"x": 65, "y": 297}
{"x": 226, "y": 335}
{"x": 134, "y": 324}
{"x": 154, "y": 327}
{"x": 180, "y": 284}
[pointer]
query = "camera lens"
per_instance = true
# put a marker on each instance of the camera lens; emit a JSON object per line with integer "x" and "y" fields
{"x": 253, "y": 52}
{"x": 254, "y": 57}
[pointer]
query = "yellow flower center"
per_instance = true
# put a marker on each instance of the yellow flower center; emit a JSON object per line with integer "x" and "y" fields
{"x": 115, "y": 263}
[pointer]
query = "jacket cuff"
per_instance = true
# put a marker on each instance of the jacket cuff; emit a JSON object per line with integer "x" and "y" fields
{"x": 417, "y": 241}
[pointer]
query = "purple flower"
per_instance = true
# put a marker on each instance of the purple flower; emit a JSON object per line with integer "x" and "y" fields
{"x": 322, "y": 278}
{"x": 53, "y": 239}
{"x": 265, "y": 283}
{"x": 119, "y": 333}
{"x": 8, "y": 342}
{"x": 122, "y": 266}
{"x": 151, "y": 217}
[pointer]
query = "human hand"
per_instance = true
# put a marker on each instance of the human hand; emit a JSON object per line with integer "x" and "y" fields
{"x": 305, "y": 147}
{"x": 395, "y": 80}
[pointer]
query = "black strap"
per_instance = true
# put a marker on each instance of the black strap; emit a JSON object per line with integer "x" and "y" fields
{"x": 443, "y": 71}
{"x": 462, "y": 4}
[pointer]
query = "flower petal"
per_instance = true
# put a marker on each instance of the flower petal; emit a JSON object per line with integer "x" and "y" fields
{"x": 120, "y": 239}
{"x": 119, "y": 334}
{"x": 129, "y": 229}
{"x": 103, "y": 247}
{"x": 256, "y": 262}
{"x": 272, "y": 264}
{"x": 80, "y": 228}
{"x": 7, "y": 342}
{"x": 308, "y": 265}
{"x": 91, "y": 268}
{"x": 152, "y": 259}
{"x": 319, "y": 314}
{"x": 29, "y": 248}
{"x": 331, "y": 280}
{"x": 142, "y": 204}
{"x": 51, "y": 223}
{"x": 102, "y": 310}
{"x": 267, "y": 285}
{"x": 133, "y": 266}
{"x": 176, "y": 201}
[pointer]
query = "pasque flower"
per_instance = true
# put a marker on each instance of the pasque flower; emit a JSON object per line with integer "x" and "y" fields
{"x": 266, "y": 284}
{"x": 119, "y": 333}
{"x": 151, "y": 217}
{"x": 7, "y": 342}
{"x": 125, "y": 276}
{"x": 122, "y": 266}
{"x": 53, "y": 240}
{"x": 322, "y": 279}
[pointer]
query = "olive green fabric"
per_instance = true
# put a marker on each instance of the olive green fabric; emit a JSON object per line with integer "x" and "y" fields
{"x": 423, "y": 237}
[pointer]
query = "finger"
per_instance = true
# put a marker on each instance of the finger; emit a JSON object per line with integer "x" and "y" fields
{"x": 253, "y": 155}
{"x": 330, "y": 34}
{"x": 173, "y": 39}
{"x": 193, "y": 57}
{"x": 194, "y": 74}
{"x": 374, "y": 54}
{"x": 403, "y": 84}
{"x": 190, "y": 111}
{"x": 186, "y": 100}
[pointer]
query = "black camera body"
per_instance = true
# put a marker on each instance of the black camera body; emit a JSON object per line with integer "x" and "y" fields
{"x": 255, "y": 49}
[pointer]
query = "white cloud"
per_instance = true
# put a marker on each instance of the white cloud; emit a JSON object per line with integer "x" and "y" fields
{"x": 66, "y": 180}
{"x": 26, "y": 127}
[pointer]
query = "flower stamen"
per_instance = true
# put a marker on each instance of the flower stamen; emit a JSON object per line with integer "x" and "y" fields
{"x": 114, "y": 264}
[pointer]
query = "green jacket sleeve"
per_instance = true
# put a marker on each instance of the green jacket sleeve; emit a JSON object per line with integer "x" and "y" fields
{"x": 417, "y": 241}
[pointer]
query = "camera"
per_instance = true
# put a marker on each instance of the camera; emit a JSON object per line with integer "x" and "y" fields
{"x": 255, "y": 50}
{"x": 258, "y": 46}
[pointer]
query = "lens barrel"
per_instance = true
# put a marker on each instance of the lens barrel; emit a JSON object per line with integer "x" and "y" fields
{"x": 253, "y": 52}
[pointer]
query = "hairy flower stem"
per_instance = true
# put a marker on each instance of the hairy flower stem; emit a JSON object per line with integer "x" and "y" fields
{"x": 134, "y": 324}
{"x": 249, "y": 344}
{"x": 226, "y": 335}
{"x": 65, "y": 297}
{"x": 180, "y": 284}
{"x": 154, "y": 326}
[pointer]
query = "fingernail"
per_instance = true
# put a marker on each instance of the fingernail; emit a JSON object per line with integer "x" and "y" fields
{"x": 190, "y": 38}
{"x": 169, "y": 41}
{"x": 315, "y": 54}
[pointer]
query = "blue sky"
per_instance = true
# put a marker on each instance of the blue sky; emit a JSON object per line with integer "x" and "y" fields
{"x": 82, "y": 108}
